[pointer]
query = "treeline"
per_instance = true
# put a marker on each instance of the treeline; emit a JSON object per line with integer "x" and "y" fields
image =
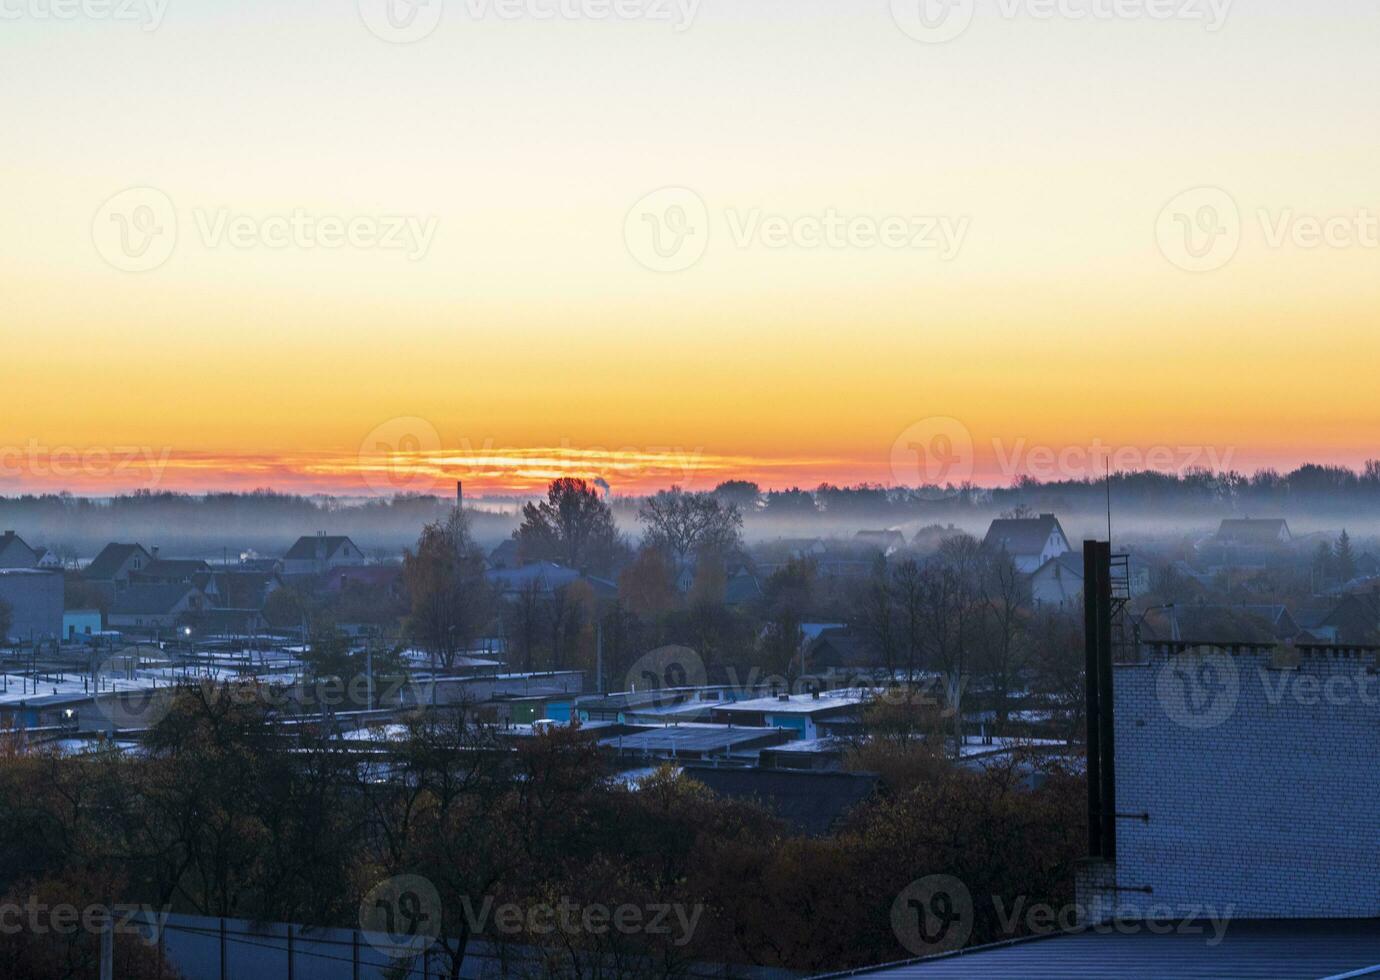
{"x": 211, "y": 525}
{"x": 268, "y": 522}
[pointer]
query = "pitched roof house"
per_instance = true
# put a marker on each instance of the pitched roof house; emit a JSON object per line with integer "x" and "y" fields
{"x": 1030, "y": 541}
{"x": 147, "y": 604}
{"x": 1058, "y": 583}
{"x": 116, "y": 563}
{"x": 14, "y": 553}
{"x": 887, "y": 541}
{"x": 318, "y": 554}
{"x": 1248, "y": 532}
{"x": 47, "y": 558}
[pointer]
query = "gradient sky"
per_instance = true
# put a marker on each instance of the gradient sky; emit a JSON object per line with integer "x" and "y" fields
{"x": 529, "y": 341}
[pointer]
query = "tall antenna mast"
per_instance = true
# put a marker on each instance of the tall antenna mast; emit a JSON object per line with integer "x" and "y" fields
{"x": 1107, "y": 466}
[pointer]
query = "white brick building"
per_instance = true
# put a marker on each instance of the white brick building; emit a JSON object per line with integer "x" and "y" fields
{"x": 1244, "y": 784}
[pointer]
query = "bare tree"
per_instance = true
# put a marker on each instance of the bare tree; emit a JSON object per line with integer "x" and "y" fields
{"x": 911, "y": 588}
{"x": 1003, "y": 649}
{"x": 878, "y": 615}
{"x": 682, "y": 524}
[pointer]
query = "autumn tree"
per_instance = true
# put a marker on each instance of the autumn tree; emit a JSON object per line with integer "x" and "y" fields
{"x": 647, "y": 585}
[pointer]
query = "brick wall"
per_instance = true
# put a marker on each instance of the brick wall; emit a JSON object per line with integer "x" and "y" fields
{"x": 1262, "y": 783}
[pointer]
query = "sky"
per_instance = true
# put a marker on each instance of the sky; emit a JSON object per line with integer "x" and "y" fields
{"x": 349, "y": 247}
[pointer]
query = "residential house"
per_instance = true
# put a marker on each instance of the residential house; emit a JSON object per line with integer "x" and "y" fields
{"x": 47, "y": 558}
{"x": 837, "y": 648}
{"x": 14, "y": 553}
{"x": 113, "y": 568}
{"x": 35, "y": 600}
{"x": 384, "y": 578}
{"x": 1353, "y": 618}
{"x": 1029, "y": 541}
{"x": 319, "y": 554}
{"x": 78, "y": 624}
{"x": 155, "y": 605}
{"x": 1253, "y": 533}
{"x": 885, "y": 541}
{"x": 1058, "y": 583}
{"x": 742, "y": 588}
{"x": 505, "y": 555}
{"x": 1225, "y": 623}
{"x": 545, "y": 579}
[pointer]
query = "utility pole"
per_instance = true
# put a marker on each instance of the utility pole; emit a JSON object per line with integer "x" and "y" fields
{"x": 599, "y": 658}
{"x": 107, "y": 949}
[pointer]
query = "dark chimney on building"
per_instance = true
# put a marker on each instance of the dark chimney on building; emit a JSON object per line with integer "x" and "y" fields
{"x": 154, "y": 552}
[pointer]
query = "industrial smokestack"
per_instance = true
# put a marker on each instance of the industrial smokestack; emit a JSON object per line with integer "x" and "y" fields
{"x": 459, "y": 495}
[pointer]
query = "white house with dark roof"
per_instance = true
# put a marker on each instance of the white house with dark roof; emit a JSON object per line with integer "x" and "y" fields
{"x": 1030, "y": 541}
{"x": 113, "y": 568}
{"x": 318, "y": 554}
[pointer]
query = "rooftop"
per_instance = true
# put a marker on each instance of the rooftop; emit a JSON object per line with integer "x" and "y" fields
{"x": 1022, "y": 535}
{"x": 800, "y": 703}
{"x": 690, "y": 738}
{"x": 1313, "y": 948}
